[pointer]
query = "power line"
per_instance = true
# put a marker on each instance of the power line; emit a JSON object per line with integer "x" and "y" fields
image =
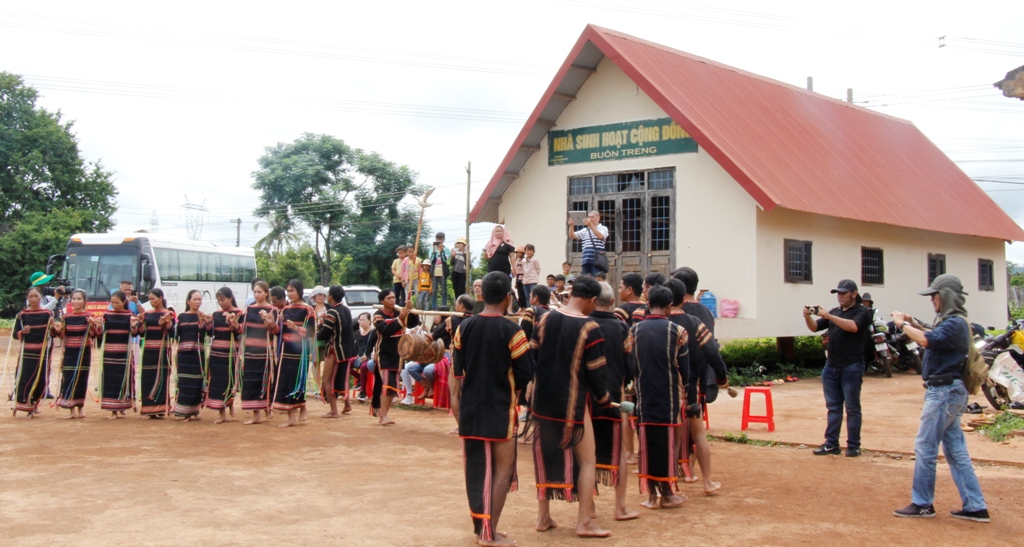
{"x": 312, "y": 49}
{"x": 261, "y": 99}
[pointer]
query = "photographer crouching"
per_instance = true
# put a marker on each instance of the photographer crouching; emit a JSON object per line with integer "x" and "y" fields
{"x": 843, "y": 374}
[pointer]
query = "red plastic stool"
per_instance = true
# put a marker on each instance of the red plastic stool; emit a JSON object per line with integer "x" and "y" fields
{"x": 768, "y": 418}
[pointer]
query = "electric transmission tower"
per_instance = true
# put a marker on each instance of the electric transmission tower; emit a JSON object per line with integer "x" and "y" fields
{"x": 195, "y": 213}
{"x": 154, "y": 223}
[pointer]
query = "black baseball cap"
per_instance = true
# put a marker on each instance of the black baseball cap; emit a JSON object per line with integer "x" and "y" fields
{"x": 845, "y": 285}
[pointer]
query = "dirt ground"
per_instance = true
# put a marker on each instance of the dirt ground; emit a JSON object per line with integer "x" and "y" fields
{"x": 350, "y": 481}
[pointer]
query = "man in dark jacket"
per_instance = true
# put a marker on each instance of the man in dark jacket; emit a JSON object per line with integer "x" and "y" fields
{"x": 945, "y": 400}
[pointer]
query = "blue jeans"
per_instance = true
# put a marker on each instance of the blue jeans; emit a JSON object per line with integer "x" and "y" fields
{"x": 588, "y": 269}
{"x": 940, "y": 422}
{"x": 440, "y": 286}
{"x": 842, "y": 387}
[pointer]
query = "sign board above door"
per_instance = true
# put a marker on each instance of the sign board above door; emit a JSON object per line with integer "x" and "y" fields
{"x": 618, "y": 141}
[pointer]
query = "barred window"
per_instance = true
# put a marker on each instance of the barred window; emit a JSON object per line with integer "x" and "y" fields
{"x": 872, "y": 271}
{"x": 580, "y": 186}
{"x": 986, "y": 275}
{"x": 660, "y": 180}
{"x": 660, "y": 223}
{"x": 936, "y": 266}
{"x": 798, "y": 261}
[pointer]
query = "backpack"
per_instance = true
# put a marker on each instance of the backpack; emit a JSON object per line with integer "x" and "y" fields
{"x": 975, "y": 369}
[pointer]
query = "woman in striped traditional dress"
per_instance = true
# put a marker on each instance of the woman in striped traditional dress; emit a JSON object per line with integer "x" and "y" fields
{"x": 78, "y": 329}
{"x": 156, "y": 327}
{"x": 297, "y": 351}
{"x": 117, "y": 393}
{"x": 32, "y": 329}
{"x": 190, "y": 332}
{"x": 223, "y": 355}
{"x": 259, "y": 324}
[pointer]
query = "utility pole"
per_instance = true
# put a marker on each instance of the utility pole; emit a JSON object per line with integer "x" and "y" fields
{"x": 469, "y": 256}
{"x": 238, "y": 231}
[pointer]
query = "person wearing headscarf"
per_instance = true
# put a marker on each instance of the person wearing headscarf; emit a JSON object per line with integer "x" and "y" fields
{"x": 945, "y": 400}
{"x": 498, "y": 249}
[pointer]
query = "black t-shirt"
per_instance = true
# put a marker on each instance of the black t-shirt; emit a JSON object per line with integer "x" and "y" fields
{"x": 498, "y": 262}
{"x": 846, "y": 348}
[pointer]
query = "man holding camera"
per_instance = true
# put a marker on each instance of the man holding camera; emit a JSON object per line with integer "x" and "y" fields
{"x": 843, "y": 374}
{"x": 439, "y": 257}
{"x": 593, "y": 235}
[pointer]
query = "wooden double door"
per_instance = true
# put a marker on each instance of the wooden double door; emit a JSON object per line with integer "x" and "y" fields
{"x": 641, "y": 232}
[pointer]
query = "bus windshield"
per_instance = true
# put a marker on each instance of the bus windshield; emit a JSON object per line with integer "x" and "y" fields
{"x": 99, "y": 269}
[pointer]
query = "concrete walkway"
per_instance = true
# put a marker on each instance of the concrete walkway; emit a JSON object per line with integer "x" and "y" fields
{"x": 891, "y": 406}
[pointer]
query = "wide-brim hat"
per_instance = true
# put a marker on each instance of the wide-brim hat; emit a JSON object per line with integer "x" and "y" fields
{"x": 425, "y": 262}
{"x": 39, "y": 278}
{"x": 319, "y": 289}
{"x": 944, "y": 281}
{"x": 461, "y": 240}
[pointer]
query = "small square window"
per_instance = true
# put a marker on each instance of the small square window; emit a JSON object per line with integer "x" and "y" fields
{"x": 798, "y": 261}
{"x": 986, "y": 275}
{"x": 936, "y": 266}
{"x": 871, "y": 267}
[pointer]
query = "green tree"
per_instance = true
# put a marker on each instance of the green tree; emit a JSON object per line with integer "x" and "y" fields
{"x": 293, "y": 263}
{"x": 281, "y": 235}
{"x": 348, "y": 198}
{"x": 48, "y": 190}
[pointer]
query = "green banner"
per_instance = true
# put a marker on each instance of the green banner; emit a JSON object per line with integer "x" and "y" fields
{"x": 618, "y": 141}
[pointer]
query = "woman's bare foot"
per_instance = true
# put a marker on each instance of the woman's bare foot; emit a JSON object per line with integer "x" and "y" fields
{"x": 692, "y": 479}
{"x": 712, "y": 488}
{"x": 70, "y": 416}
{"x": 384, "y": 420}
{"x": 546, "y": 524}
{"x": 330, "y": 415}
{"x": 626, "y": 514}
{"x": 289, "y": 423}
{"x": 650, "y": 503}
{"x": 499, "y": 540}
{"x": 590, "y": 530}
{"x": 454, "y": 431}
{"x": 672, "y": 501}
{"x": 222, "y": 420}
{"x": 232, "y": 410}
{"x": 254, "y": 420}
{"x": 302, "y": 414}
{"x": 348, "y": 407}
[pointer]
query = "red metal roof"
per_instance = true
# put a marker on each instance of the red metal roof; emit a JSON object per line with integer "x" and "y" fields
{"x": 790, "y": 147}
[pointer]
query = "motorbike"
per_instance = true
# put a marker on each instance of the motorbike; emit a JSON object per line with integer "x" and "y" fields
{"x": 884, "y": 357}
{"x": 906, "y": 353}
{"x": 1005, "y": 358}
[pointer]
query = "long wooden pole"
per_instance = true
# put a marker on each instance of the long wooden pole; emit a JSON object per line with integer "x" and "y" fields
{"x": 416, "y": 257}
{"x": 469, "y": 260}
{"x": 429, "y": 312}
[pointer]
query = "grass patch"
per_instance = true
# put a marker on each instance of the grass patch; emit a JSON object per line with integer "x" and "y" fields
{"x": 757, "y": 373}
{"x": 741, "y": 439}
{"x": 754, "y": 360}
{"x": 6, "y": 323}
{"x": 1005, "y": 423}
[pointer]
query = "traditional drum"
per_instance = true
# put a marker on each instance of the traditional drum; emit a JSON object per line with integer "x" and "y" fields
{"x": 415, "y": 346}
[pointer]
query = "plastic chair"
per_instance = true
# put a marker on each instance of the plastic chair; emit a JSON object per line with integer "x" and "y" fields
{"x": 769, "y": 415}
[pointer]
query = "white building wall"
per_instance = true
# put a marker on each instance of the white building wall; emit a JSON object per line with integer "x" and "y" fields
{"x": 836, "y": 254}
{"x": 735, "y": 247}
{"x": 535, "y": 205}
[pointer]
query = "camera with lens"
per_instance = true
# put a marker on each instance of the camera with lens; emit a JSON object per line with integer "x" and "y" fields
{"x": 57, "y": 285}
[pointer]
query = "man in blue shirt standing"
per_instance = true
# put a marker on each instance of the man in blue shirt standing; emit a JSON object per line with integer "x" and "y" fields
{"x": 593, "y": 234}
{"x": 945, "y": 400}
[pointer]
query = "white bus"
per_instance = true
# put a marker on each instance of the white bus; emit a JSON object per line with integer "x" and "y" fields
{"x": 97, "y": 263}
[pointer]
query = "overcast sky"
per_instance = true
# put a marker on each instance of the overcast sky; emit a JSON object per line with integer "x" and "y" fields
{"x": 181, "y": 98}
